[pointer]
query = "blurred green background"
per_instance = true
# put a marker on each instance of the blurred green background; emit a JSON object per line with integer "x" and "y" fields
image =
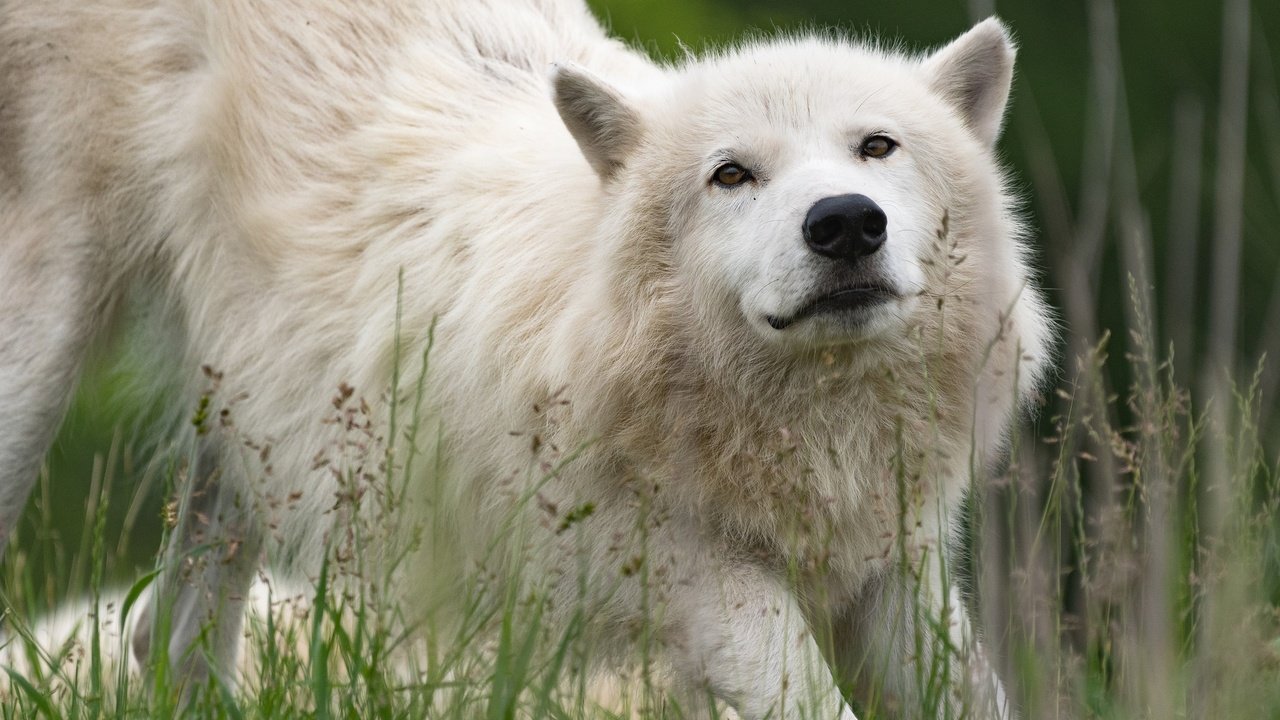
{"x": 1125, "y": 136}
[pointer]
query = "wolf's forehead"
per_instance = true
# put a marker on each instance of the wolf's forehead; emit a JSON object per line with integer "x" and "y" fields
{"x": 799, "y": 83}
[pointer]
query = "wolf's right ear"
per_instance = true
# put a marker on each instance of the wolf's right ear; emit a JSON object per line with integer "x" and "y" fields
{"x": 606, "y": 127}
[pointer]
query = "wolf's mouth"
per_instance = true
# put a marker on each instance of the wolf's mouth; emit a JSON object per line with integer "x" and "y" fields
{"x": 844, "y": 300}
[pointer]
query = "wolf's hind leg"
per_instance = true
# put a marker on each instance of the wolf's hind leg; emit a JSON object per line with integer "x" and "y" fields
{"x": 54, "y": 294}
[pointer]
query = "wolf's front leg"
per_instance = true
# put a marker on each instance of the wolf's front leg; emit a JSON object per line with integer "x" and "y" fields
{"x": 197, "y": 608}
{"x": 740, "y": 633}
{"x": 731, "y": 629}
{"x": 910, "y": 645}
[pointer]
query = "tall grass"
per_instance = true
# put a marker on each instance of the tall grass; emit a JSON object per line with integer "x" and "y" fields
{"x": 1125, "y": 562}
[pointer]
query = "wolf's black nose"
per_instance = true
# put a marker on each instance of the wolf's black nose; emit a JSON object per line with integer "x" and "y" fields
{"x": 845, "y": 227}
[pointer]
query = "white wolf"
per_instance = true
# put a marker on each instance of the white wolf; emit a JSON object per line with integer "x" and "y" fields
{"x": 774, "y": 302}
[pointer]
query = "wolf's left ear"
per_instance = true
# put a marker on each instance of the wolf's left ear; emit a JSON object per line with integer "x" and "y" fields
{"x": 974, "y": 73}
{"x": 606, "y": 127}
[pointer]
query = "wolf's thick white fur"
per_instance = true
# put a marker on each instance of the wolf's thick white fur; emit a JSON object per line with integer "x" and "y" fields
{"x": 266, "y": 173}
{"x": 275, "y": 612}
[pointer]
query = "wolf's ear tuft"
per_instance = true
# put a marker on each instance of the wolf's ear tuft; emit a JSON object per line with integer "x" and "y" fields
{"x": 606, "y": 127}
{"x": 974, "y": 73}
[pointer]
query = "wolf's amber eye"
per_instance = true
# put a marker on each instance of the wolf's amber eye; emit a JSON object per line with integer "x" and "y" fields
{"x": 877, "y": 146}
{"x": 730, "y": 174}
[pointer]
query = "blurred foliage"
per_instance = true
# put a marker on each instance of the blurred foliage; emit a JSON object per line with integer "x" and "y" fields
{"x": 105, "y": 448}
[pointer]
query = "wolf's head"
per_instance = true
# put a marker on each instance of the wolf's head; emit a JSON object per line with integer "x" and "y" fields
{"x": 818, "y": 191}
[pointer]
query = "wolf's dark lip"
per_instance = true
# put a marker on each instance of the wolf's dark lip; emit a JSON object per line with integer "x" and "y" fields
{"x": 843, "y": 300}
